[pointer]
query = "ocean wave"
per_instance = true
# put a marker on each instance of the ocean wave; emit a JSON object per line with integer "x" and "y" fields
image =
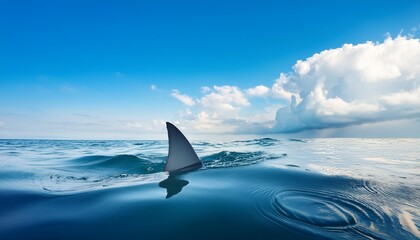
{"x": 147, "y": 164}
{"x": 98, "y": 171}
{"x": 297, "y": 140}
{"x": 261, "y": 142}
{"x": 227, "y": 159}
{"x": 123, "y": 163}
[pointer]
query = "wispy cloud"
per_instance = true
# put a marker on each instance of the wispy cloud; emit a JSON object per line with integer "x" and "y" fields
{"x": 205, "y": 89}
{"x": 185, "y": 99}
{"x": 260, "y": 91}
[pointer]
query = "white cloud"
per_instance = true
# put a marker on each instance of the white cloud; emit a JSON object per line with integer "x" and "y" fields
{"x": 224, "y": 99}
{"x": 134, "y": 125}
{"x": 279, "y": 88}
{"x": 145, "y": 126}
{"x": 219, "y": 105}
{"x": 203, "y": 122}
{"x": 205, "y": 89}
{"x": 368, "y": 83}
{"x": 259, "y": 91}
{"x": 185, "y": 99}
{"x": 153, "y": 87}
{"x": 159, "y": 124}
{"x": 214, "y": 111}
{"x": 403, "y": 98}
{"x": 354, "y": 84}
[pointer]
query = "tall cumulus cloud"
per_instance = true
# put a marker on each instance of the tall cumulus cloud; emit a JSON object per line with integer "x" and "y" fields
{"x": 354, "y": 84}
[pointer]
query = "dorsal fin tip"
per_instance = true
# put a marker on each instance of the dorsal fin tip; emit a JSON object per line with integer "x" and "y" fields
{"x": 181, "y": 155}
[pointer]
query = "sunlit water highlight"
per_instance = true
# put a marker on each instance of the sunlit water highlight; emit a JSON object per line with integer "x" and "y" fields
{"x": 263, "y": 188}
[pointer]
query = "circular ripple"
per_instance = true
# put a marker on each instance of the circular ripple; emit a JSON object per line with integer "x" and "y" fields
{"x": 317, "y": 210}
{"x": 323, "y": 214}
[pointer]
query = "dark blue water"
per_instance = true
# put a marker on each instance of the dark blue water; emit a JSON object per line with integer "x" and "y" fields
{"x": 263, "y": 188}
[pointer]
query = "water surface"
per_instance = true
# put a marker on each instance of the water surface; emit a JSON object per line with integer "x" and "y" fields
{"x": 262, "y": 188}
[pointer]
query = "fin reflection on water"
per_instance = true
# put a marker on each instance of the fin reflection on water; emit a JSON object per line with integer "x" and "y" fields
{"x": 173, "y": 185}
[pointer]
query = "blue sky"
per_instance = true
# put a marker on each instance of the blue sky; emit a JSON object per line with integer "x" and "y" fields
{"x": 119, "y": 69}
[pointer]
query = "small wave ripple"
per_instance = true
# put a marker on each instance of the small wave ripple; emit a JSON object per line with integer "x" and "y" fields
{"x": 227, "y": 159}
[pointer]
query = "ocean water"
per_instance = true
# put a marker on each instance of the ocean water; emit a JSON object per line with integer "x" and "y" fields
{"x": 263, "y": 188}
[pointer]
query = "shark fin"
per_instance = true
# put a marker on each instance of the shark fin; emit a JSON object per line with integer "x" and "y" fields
{"x": 181, "y": 156}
